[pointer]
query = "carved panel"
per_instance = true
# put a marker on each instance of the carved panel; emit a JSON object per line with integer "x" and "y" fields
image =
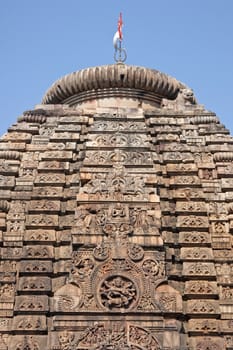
{"x": 190, "y": 180}
{"x": 203, "y": 326}
{"x": 57, "y": 155}
{"x": 40, "y": 235}
{"x": 7, "y": 292}
{"x": 5, "y": 324}
{"x": 34, "y": 284}
{"x": 194, "y": 238}
{"x": 207, "y": 343}
{"x": 177, "y": 156}
{"x": 68, "y": 299}
{"x": 181, "y": 168}
{"x": 29, "y": 323}
{"x": 196, "y": 253}
{"x": 223, "y": 255}
{"x": 191, "y": 207}
{"x": 117, "y": 185}
{"x": 208, "y": 307}
{"x": 221, "y": 242}
{"x": 34, "y": 304}
{"x": 192, "y": 221}
{"x": 42, "y": 220}
{"x": 227, "y": 294}
{"x": 118, "y": 292}
{"x": 30, "y": 342}
{"x": 110, "y": 125}
{"x": 119, "y": 140}
{"x": 200, "y": 288}
{"x": 50, "y": 179}
{"x": 44, "y": 205}
{"x": 112, "y": 336}
{"x": 110, "y": 157}
{"x": 48, "y": 192}
{"x": 38, "y": 252}
{"x": 188, "y": 193}
{"x": 31, "y": 266}
{"x": 53, "y": 165}
{"x": 13, "y": 253}
{"x": 198, "y": 269}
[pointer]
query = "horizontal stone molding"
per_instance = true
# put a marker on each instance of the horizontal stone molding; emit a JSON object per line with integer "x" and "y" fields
{"x": 204, "y": 119}
{"x": 223, "y": 157}
{"x": 14, "y": 155}
{"x": 112, "y": 80}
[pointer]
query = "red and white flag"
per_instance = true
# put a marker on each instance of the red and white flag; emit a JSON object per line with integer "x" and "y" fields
{"x": 118, "y": 35}
{"x": 119, "y": 26}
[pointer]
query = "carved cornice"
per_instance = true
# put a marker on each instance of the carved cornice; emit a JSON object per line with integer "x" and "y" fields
{"x": 112, "y": 80}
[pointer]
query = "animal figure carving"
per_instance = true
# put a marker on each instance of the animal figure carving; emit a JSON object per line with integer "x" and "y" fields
{"x": 184, "y": 98}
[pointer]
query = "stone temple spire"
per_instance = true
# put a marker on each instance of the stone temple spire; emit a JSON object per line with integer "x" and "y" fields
{"x": 116, "y": 218}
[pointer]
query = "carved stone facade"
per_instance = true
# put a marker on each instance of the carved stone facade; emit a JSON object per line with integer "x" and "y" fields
{"x": 116, "y": 219}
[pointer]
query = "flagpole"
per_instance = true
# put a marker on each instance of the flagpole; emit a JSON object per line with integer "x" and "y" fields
{"x": 120, "y": 53}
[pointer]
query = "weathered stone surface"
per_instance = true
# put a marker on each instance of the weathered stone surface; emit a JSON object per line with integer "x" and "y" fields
{"x": 116, "y": 218}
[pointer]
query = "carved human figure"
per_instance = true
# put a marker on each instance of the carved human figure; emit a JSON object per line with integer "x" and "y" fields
{"x": 82, "y": 268}
{"x": 117, "y": 292}
{"x": 66, "y": 340}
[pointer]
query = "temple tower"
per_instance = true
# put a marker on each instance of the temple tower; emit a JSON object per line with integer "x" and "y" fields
{"x": 116, "y": 218}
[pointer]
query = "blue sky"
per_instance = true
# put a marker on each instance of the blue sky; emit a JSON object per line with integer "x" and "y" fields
{"x": 42, "y": 40}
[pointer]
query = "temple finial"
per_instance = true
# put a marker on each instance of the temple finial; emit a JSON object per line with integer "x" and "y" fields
{"x": 120, "y": 53}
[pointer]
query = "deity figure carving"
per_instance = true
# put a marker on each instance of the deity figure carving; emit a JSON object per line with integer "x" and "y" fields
{"x": 118, "y": 292}
{"x": 82, "y": 267}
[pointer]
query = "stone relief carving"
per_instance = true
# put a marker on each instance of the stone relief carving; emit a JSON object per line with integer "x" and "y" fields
{"x": 89, "y": 218}
{"x": 100, "y": 337}
{"x": 34, "y": 284}
{"x": 120, "y": 140}
{"x": 28, "y": 323}
{"x": 117, "y": 292}
{"x": 184, "y": 99}
{"x": 135, "y": 252}
{"x": 109, "y": 157}
{"x": 227, "y": 293}
{"x": 196, "y": 253}
{"x": 151, "y": 267}
{"x": 117, "y": 185}
{"x": 81, "y": 266}
{"x": 203, "y": 325}
{"x": 34, "y": 304}
{"x": 205, "y": 287}
{"x": 192, "y": 221}
{"x": 118, "y": 125}
{"x": 194, "y": 238}
{"x": 118, "y": 231}
{"x": 208, "y": 343}
{"x": 7, "y": 291}
{"x": 28, "y": 343}
{"x": 35, "y": 266}
{"x": 3, "y": 342}
{"x": 66, "y": 340}
{"x": 121, "y": 266}
{"x": 68, "y": 298}
{"x": 101, "y": 252}
{"x": 200, "y": 306}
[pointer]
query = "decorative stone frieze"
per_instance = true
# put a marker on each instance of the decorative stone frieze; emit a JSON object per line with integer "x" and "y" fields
{"x": 116, "y": 218}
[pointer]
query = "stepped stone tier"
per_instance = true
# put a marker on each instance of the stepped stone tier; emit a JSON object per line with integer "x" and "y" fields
{"x": 116, "y": 218}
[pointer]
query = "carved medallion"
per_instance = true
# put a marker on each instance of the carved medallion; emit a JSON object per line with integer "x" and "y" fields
{"x": 101, "y": 252}
{"x": 150, "y": 267}
{"x": 135, "y": 252}
{"x": 118, "y": 292}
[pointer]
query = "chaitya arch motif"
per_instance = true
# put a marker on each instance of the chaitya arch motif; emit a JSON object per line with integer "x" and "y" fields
{"x": 116, "y": 218}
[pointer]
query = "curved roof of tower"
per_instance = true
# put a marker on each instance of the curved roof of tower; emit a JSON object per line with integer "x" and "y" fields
{"x": 112, "y": 80}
